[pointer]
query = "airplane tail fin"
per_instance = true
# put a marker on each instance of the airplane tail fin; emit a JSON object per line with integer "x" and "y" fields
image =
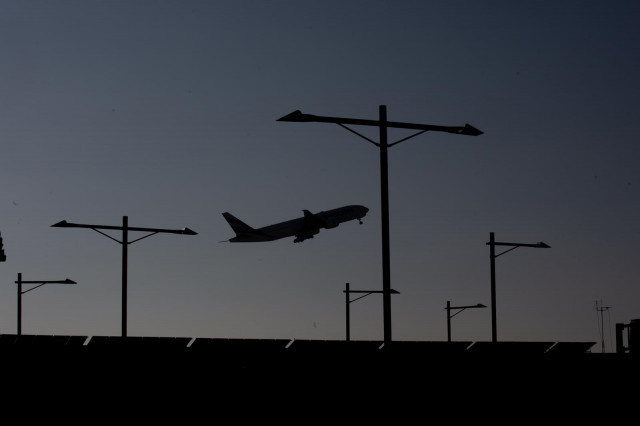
{"x": 238, "y": 226}
{"x": 244, "y": 232}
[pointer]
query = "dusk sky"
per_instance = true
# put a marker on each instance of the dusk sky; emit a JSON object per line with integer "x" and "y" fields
{"x": 166, "y": 112}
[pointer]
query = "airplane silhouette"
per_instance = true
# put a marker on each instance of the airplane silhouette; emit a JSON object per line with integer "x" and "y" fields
{"x": 302, "y": 228}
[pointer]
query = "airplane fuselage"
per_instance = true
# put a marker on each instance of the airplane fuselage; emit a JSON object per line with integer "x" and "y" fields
{"x": 302, "y": 228}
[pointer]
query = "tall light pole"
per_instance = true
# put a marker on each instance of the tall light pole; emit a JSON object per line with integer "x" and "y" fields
{"x": 460, "y": 309}
{"x": 125, "y": 228}
{"x": 20, "y": 282}
{"x": 348, "y": 301}
{"x": 492, "y": 254}
{"x": 382, "y": 123}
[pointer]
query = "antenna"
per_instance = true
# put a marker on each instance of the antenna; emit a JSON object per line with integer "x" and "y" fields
{"x": 600, "y": 312}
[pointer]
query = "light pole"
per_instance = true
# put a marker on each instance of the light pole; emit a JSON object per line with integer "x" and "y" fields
{"x": 348, "y": 301}
{"x": 20, "y": 293}
{"x": 461, "y": 308}
{"x": 383, "y": 125}
{"x": 125, "y": 228}
{"x": 492, "y": 254}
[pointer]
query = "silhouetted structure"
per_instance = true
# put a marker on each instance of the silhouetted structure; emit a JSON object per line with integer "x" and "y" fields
{"x": 3, "y": 256}
{"x": 263, "y": 354}
{"x": 632, "y": 339}
{"x": 156, "y": 376}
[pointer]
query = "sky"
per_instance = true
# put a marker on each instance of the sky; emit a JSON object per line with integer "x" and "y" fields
{"x": 166, "y": 112}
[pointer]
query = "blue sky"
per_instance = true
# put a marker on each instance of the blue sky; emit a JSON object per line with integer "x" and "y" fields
{"x": 165, "y": 112}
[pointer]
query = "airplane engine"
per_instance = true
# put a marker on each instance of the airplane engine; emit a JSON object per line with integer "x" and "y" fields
{"x": 309, "y": 233}
{"x": 331, "y": 224}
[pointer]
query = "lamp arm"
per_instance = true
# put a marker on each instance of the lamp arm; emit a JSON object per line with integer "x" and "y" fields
{"x": 506, "y": 251}
{"x": 153, "y": 233}
{"x": 33, "y": 288}
{"x": 362, "y": 136}
{"x": 451, "y": 316}
{"x": 358, "y": 298}
{"x": 107, "y": 235}
{"x": 404, "y": 139}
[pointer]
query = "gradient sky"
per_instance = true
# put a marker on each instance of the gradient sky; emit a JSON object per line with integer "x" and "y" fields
{"x": 165, "y": 112}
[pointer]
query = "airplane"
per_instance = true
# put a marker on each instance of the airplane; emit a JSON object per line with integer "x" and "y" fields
{"x": 302, "y": 228}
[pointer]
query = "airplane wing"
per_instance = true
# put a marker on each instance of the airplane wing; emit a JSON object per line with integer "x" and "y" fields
{"x": 310, "y": 226}
{"x": 311, "y": 220}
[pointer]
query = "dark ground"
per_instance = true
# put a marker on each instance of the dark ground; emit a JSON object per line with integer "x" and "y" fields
{"x": 164, "y": 379}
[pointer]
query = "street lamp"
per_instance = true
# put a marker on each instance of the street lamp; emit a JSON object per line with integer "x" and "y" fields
{"x": 461, "y": 308}
{"x": 492, "y": 254}
{"x": 382, "y": 123}
{"x": 125, "y": 228}
{"x": 349, "y": 301}
{"x": 20, "y": 293}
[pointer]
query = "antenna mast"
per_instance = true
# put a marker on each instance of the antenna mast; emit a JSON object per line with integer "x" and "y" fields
{"x": 600, "y": 312}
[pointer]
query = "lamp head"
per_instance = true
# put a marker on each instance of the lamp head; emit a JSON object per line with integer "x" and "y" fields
{"x": 542, "y": 245}
{"x": 296, "y": 116}
{"x": 187, "y": 231}
{"x": 61, "y": 224}
{"x": 468, "y": 129}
